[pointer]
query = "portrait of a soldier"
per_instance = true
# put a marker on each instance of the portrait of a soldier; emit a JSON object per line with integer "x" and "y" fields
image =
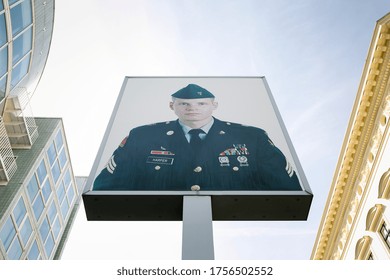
{"x": 197, "y": 152}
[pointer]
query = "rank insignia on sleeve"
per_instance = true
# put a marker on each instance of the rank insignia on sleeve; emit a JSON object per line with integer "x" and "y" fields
{"x": 123, "y": 143}
{"x": 111, "y": 165}
{"x": 289, "y": 168}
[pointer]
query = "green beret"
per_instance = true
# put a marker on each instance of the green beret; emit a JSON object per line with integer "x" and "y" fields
{"x": 193, "y": 91}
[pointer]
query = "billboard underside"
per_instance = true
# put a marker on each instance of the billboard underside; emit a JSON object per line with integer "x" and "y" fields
{"x": 168, "y": 206}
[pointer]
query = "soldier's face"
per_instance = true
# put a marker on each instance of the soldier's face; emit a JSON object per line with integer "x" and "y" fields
{"x": 193, "y": 109}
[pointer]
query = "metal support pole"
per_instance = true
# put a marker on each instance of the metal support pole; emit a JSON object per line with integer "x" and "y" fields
{"x": 197, "y": 243}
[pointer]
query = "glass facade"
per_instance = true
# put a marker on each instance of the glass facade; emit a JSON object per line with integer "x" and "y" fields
{"x": 16, "y": 231}
{"x": 21, "y": 16}
{"x": 20, "y": 42}
{"x": 4, "y": 60}
{"x": 36, "y": 213}
{"x": 3, "y": 33}
{"x": 45, "y": 205}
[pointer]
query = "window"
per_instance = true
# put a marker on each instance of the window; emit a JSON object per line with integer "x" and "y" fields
{"x": 59, "y": 141}
{"x": 4, "y": 61}
{"x": 2, "y": 86}
{"x": 16, "y": 231}
{"x": 34, "y": 253}
{"x": 50, "y": 229}
{"x": 32, "y": 188}
{"x": 57, "y": 157}
{"x": 19, "y": 212}
{"x": 385, "y": 233}
{"x": 39, "y": 190}
{"x": 26, "y": 232}
{"x": 51, "y": 153}
{"x": 10, "y": 2}
{"x": 7, "y": 233}
{"x": 66, "y": 194}
{"x": 3, "y": 33}
{"x": 47, "y": 237}
{"x": 20, "y": 70}
{"x": 41, "y": 171}
{"x": 22, "y": 45}
{"x": 15, "y": 250}
{"x": 21, "y": 16}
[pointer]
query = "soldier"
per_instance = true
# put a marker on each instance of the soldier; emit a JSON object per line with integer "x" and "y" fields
{"x": 197, "y": 152}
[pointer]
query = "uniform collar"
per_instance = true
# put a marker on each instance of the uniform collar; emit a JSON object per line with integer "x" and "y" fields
{"x": 205, "y": 128}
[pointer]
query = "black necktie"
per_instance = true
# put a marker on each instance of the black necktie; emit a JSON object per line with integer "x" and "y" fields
{"x": 195, "y": 140}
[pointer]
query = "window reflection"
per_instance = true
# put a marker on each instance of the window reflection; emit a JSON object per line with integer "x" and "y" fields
{"x": 32, "y": 188}
{"x": 59, "y": 141}
{"x": 4, "y": 61}
{"x": 15, "y": 251}
{"x": 20, "y": 71}
{"x": 51, "y": 153}
{"x": 42, "y": 171}
{"x": 34, "y": 253}
{"x": 3, "y": 33}
{"x": 26, "y": 231}
{"x": 56, "y": 171}
{"x": 7, "y": 233}
{"x": 21, "y": 16}
{"x": 38, "y": 207}
{"x": 2, "y": 87}
{"x": 10, "y": 2}
{"x": 19, "y": 211}
{"x": 22, "y": 45}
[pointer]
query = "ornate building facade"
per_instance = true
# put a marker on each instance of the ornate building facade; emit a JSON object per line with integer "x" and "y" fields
{"x": 356, "y": 219}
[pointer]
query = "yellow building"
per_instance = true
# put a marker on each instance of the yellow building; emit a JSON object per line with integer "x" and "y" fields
{"x": 356, "y": 218}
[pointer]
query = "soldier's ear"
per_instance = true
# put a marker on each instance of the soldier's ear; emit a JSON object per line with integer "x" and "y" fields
{"x": 171, "y": 105}
{"x": 215, "y": 104}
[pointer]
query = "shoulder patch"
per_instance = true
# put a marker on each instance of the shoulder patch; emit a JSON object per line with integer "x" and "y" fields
{"x": 123, "y": 143}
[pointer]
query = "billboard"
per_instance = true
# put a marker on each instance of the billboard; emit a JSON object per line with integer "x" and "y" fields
{"x": 174, "y": 136}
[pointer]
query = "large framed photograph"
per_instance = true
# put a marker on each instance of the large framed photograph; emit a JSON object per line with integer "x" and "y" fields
{"x": 174, "y": 136}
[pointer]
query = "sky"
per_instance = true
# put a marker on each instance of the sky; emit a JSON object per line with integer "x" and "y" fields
{"x": 312, "y": 53}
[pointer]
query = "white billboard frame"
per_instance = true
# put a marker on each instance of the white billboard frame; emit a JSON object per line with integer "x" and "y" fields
{"x": 237, "y": 200}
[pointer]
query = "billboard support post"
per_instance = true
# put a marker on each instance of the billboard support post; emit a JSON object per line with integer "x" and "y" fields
{"x": 197, "y": 242}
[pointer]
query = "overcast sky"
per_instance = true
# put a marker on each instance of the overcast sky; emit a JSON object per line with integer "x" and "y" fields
{"x": 311, "y": 52}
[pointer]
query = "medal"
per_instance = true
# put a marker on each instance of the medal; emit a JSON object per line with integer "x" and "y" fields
{"x": 236, "y": 150}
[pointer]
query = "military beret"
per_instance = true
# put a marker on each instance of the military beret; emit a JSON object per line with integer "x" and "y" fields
{"x": 192, "y": 91}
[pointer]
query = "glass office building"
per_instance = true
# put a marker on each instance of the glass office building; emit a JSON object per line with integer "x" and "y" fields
{"x": 39, "y": 202}
{"x": 38, "y": 191}
{"x": 25, "y": 35}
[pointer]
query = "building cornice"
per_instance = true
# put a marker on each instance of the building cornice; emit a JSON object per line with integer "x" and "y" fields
{"x": 366, "y": 129}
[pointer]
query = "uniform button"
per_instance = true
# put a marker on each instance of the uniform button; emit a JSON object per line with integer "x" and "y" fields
{"x": 235, "y": 168}
{"x": 198, "y": 169}
{"x": 157, "y": 167}
{"x": 195, "y": 188}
